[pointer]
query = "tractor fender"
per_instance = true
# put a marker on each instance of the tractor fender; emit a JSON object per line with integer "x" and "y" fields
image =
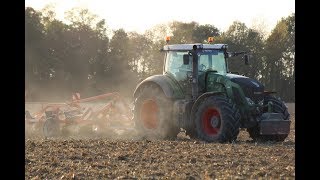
{"x": 170, "y": 88}
{"x": 200, "y": 99}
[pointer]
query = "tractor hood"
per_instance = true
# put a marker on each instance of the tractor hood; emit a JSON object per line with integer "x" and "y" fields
{"x": 250, "y": 87}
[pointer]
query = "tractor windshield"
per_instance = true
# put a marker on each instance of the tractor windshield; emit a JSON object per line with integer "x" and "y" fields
{"x": 208, "y": 60}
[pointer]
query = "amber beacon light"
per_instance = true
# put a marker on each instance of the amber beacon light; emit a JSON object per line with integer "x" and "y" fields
{"x": 167, "y": 39}
{"x": 210, "y": 39}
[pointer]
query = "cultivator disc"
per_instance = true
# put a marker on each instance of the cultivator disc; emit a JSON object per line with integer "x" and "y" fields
{"x": 97, "y": 114}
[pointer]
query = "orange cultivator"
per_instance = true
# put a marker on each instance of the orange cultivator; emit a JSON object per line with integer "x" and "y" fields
{"x": 95, "y": 114}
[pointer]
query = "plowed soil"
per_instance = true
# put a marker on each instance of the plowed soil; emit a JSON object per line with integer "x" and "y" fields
{"x": 128, "y": 157}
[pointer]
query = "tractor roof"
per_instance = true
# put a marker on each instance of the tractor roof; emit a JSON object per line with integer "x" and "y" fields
{"x": 187, "y": 47}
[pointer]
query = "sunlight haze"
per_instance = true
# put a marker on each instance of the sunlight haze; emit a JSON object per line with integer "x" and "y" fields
{"x": 140, "y": 15}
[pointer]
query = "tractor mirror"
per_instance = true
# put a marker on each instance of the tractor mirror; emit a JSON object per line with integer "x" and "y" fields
{"x": 246, "y": 59}
{"x": 186, "y": 59}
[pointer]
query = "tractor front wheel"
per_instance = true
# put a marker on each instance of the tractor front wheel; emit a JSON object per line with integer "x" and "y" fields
{"x": 278, "y": 107}
{"x": 217, "y": 120}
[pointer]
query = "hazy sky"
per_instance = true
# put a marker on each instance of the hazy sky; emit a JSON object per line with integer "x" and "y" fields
{"x": 140, "y": 15}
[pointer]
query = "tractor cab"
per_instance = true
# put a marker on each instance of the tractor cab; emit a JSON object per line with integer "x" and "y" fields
{"x": 211, "y": 58}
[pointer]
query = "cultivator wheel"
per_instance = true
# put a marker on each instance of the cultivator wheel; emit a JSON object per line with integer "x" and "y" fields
{"x": 51, "y": 128}
{"x": 279, "y": 107}
{"x": 153, "y": 114}
{"x": 217, "y": 120}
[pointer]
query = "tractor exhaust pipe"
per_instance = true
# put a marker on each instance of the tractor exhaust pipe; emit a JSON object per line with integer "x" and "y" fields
{"x": 194, "y": 72}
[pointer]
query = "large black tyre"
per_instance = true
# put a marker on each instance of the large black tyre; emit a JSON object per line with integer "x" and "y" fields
{"x": 217, "y": 119}
{"x": 278, "y": 107}
{"x": 153, "y": 114}
{"x": 192, "y": 133}
{"x": 51, "y": 128}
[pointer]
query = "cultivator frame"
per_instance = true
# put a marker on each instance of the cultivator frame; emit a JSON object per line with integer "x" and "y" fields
{"x": 53, "y": 118}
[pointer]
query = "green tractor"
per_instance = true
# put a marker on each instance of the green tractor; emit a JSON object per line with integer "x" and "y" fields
{"x": 198, "y": 94}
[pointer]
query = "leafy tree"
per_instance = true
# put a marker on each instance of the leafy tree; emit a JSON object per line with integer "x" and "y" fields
{"x": 35, "y": 67}
{"x": 61, "y": 58}
{"x": 241, "y": 38}
{"x": 182, "y": 32}
{"x": 153, "y": 58}
{"x": 280, "y": 56}
{"x": 119, "y": 51}
{"x": 158, "y": 32}
{"x": 202, "y": 32}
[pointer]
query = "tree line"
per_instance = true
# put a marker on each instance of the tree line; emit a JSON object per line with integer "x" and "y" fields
{"x": 85, "y": 56}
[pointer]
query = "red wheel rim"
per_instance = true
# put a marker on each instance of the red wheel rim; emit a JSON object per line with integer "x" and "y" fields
{"x": 211, "y": 121}
{"x": 149, "y": 114}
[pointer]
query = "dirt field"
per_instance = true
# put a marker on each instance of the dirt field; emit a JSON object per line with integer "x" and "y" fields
{"x": 129, "y": 158}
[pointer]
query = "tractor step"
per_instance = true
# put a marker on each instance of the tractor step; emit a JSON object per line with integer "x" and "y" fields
{"x": 273, "y": 123}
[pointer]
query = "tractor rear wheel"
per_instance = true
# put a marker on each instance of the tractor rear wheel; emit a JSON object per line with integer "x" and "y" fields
{"x": 153, "y": 114}
{"x": 278, "y": 107}
{"x": 217, "y": 119}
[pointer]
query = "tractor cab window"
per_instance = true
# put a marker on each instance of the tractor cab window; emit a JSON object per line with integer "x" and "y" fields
{"x": 212, "y": 60}
{"x": 175, "y": 66}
